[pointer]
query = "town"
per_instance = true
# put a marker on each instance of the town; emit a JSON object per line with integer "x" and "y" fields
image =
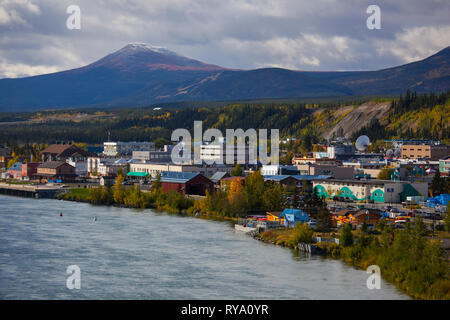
{"x": 409, "y": 179}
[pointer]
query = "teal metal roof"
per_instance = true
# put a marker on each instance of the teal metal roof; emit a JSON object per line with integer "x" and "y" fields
{"x": 137, "y": 174}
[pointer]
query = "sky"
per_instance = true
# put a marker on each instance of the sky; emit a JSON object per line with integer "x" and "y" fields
{"x": 318, "y": 35}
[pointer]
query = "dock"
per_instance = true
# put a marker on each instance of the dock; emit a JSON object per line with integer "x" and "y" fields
{"x": 30, "y": 191}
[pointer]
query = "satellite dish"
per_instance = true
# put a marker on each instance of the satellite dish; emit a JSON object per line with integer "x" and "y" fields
{"x": 362, "y": 143}
{"x": 390, "y": 153}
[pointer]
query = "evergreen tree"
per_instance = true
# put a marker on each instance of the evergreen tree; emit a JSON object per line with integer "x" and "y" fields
{"x": 346, "y": 238}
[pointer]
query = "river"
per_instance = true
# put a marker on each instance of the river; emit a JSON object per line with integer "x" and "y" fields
{"x": 142, "y": 254}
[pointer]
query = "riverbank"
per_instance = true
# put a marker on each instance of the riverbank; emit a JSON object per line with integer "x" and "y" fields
{"x": 409, "y": 260}
{"x": 157, "y": 202}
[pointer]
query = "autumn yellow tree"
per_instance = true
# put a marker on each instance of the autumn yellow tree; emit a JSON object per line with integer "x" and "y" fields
{"x": 119, "y": 190}
{"x": 235, "y": 189}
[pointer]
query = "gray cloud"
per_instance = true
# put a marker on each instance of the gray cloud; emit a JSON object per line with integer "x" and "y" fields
{"x": 305, "y": 35}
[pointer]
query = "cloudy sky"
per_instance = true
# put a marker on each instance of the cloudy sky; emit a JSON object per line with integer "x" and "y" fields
{"x": 244, "y": 34}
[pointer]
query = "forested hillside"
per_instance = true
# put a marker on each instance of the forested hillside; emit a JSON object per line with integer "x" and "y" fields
{"x": 410, "y": 116}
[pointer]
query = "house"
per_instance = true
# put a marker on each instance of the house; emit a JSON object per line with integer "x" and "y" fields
{"x": 105, "y": 181}
{"x": 187, "y": 183}
{"x": 275, "y": 216}
{"x": 343, "y": 216}
{"x": 29, "y": 169}
{"x": 219, "y": 175}
{"x": 293, "y": 216}
{"x": 15, "y": 171}
{"x": 284, "y": 180}
{"x": 63, "y": 152}
{"x": 56, "y": 171}
{"x": 369, "y": 216}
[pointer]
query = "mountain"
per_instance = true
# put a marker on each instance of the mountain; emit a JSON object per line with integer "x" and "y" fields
{"x": 139, "y": 74}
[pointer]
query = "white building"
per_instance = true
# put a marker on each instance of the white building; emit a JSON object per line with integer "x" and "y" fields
{"x": 80, "y": 166}
{"x": 154, "y": 168}
{"x": 113, "y": 149}
{"x": 105, "y": 166}
{"x": 218, "y": 153}
{"x": 384, "y": 191}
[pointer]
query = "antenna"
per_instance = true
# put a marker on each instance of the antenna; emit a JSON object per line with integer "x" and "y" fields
{"x": 362, "y": 143}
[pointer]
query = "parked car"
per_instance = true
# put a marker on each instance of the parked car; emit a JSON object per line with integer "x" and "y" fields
{"x": 312, "y": 223}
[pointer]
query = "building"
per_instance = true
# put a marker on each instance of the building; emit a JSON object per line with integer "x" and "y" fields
{"x": 63, "y": 152}
{"x": 112, "y": 149}
{"x": 80, "y": 166}
{"x": 444, "y": 167}
{"x": 343, "y": 217}
{"x": 112, "y": 168}
{"x": 271, "y": 170}
{"x": 293, "y": 216}
{"x": 153, "y": 156}
{"x": 98, "y": 166}
{"x": 218, "y": 153}
{"x": 56, "y": 171}
{"x": 219, "y": 175}
{"x": 339, "y": 151}
{"x": 187, "y": 183}
{"x": 383, "y": 191}
{"x": 275, "y": 217}
{"x": 312, "y": 160}
{"x": 338, "y": 172}
{"x": 154, "y": 168}
{"x": 29, "y": 169}
{"x": 424, "y": 151}
{"x": 15, "y": 171}
{"x": 283, "y": 180}
{"x": 368, "y": 216}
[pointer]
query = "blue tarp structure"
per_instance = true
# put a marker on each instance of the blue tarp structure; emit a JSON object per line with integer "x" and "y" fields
{"x": 292, "y": 216}
{"x": 441, "y": 199}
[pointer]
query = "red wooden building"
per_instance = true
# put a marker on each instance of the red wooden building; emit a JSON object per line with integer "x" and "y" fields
{"x": 186, "y": 183}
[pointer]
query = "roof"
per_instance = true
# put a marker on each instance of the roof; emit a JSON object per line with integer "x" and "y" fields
{"x": 232, "y": 178}
{"x": 280, "y": 177}
{"x": 52, "y": 164}
{"x": 66, "y": 150}
{"x": 295, "y": 212}
{"x": 16, "y": 167}
{"x": 56, "y": 148}
{"x": 177, "y": 177}
{"x": 298, "y": 177}
{"x": 311, "y": 177}
{"x": 364, "y": 212}
{"x": 344, "y": 212}
{"x": 137, "y": 174}
{"x": 275, "y": 213}
{"x": 216, "y": 177}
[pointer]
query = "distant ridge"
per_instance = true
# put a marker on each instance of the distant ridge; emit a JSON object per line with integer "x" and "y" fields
{"x": 140, "y": 74}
